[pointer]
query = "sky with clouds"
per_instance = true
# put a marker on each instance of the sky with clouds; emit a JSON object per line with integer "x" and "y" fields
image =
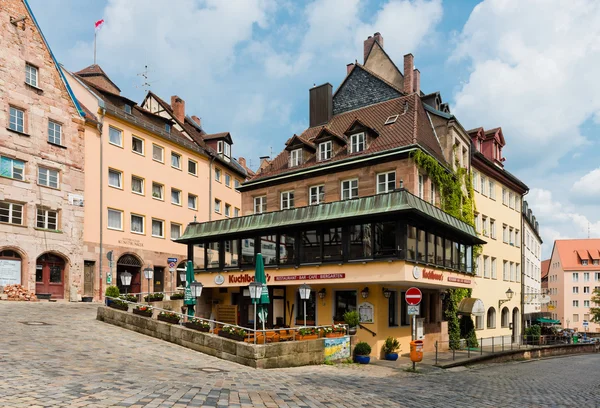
{"x": 246, "y": 66}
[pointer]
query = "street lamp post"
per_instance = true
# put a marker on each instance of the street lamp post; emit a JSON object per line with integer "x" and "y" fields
{"x": 255, "y": 289}
{"x": 126, "y": 280}
{"x": 148, "y": 274}
{"x": 182, "y": 276}
{"x": 304, "y": 295}
{"x": 189, "y": 298}
{"x": 196, "y": 289}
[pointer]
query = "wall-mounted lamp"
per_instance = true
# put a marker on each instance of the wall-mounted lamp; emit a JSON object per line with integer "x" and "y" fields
{"x": 509, "y": 295}
{"x": 322, "y": 294}
{"x": 387, "y": 293}
{"x": 365, "y": 293}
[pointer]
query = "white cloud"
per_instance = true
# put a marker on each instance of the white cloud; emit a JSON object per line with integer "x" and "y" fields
{"x": 588, "y": 186}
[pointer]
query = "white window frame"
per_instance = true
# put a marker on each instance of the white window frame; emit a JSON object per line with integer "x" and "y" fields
{"x": 318, "y": 192}
{"x": 162, "y": 223}
{"x": 16, "y": 119}
{"x": 218, "y": 206}
{"x": 220, "y": 147}
{"x": 383, "y": 186}
{"x": 194, "y": 198}
{"x": 178, "y": 226}
{"x": 325, "y": 150}
{"x": 14, "y": 164}
{"x": 178, "y": 195}
{"x": 228, "y": 180}
{"x": 236, "y": 212}
{"x": 143, "y": 185}
{"x": 475, "y": 181}
{"x": 119, "y": 132}
{"x": 218, "y": 174}
{"x": 162, "y": 191}
{"x": 492, "y": 228}
{"x": 143, "y": 217}
{"x": 49, "y": 173}
{"x": 260, "y": 204}
{"x": 351, "y": 189}
{"x": 226, "y": 150}
{"x": 120, "y": 212}
{"x": 492, "y": 187}
{"x": 195, "y": 173}
{"x": 493, "y": 265}
{"x": 54, "y": 128}
{"x": 11, "y": 210}
{"x": 421, "y": 186}
{"x": 287, "y": 200}
{"x": 227, "y": 210}
{"x": 357, "y": 141}
{"x": 178, "y": 156}
{"x": 295, "y": 157}
{"x": 162, "y": 153}
{"x": 31, "y": 75}
{"x": 45, "y": 214}
{"x": 483, "y": 185}
{"x": 143, "y": 152}
{"x": 120, "y": 174}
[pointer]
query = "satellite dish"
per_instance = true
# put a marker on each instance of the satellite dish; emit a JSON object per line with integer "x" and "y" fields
{"x": 544, "y": 299}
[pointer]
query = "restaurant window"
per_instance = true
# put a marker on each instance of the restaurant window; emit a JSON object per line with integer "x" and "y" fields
{"x": 463, "y": 257}
{"x": 469, "y": 258}
{"x": 310, "y": 247}
{"x": 212, "y": 255}
{"x": 332, "y": 244}
{"x": 349, "y": 189}
{"x": 448, "y": 253}
{"x": 361, "y": 246}
{"x": 404, "y": 317}
{"x": 231, "y": 253}
{"x": 430, "y": 248}
{"x": 385, "y": 239}
{"x": 345, "y": 301}
{"x": 247, "y": 251}
{"x": 420, "y": 245}
{"x": 393, "y": 309}
{"x": 287, "y": 249}
{"x": 268, "y": 249}
{"x": 411, "y": 243}
{"x": 439, "y": 251}
{"x": 311, "y": 309}
{"x": 456, "y": 255}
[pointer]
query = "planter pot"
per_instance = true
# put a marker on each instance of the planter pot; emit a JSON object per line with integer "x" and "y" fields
{"x": 391, "y": 356}
{"x": 362, "y": 359}
{"x": 333, "y": 335}
{"x": 145, "y": 313}
{"x": 231, "y": 336}
{"x": 118, "y": 306}
{"x": 197, "y": 327}
{"x": 87, "y": 299}
{"x": 352, "y": 331}
{"x": 172, "y": 320}
{"x": 308, "y": 337}
{"x": 153, "y": 300}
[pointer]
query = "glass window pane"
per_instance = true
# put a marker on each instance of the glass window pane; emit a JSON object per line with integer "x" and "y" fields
{"x": 268, "y": 249}
{"x": 287, "y": 249}
{"x": 430, "y": 248}
{"x": 39, "y": 273}
{"x": 137, "y": 185}
{"x": 411, "y": 243}
{"x": 175, "y": 230}
{"x": 439, "y": 251}
{"x": 385, "y": 238}
{"x": 137, "y": 223}
{"x": 310, "y": 246}
{"x": 157, "y": 228}
{"x": 231, "y": 253}
{"x": 345, "y": 301}
{"x": 247, "y": 251}
{"x": 212, "y": 255}
{"x": 421, "y": 245}
{"x": 55, "y": 274}
{"x": 114, "y": 178}
{"x": 192, "y": 167}
{"x": 157, "y": 153}
{"x": 332, "y": 244}
{"x": 115, "y": 136}
{"x": 157, "y": 191}
{"x": 175, "y": 160}
{"x": 361, "y": 246}
{"x": 114, "y": 219}
{"x": 456, "y": 255}
{"x": 137, "y": 145}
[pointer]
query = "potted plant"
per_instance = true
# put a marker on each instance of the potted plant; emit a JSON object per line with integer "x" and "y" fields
{"x": 142, "y": 310}
{"x": 308, "y": 333}
{"x": 119, "y": 304}
{"x": 352, "y": 319}
{"x": 169, "y": 317}
{"x": 390, "y": 348}
{"x": 129, "y": 297}
{"x": 233, "y": 333}
{"x": 362, "y": 351}
{"x": 176, "y": 296}
{"x": 111, "y": 292}
{"x": 154, "y": 297}
{"x": 336, "y": 330}
{"x": 197, "y": 324}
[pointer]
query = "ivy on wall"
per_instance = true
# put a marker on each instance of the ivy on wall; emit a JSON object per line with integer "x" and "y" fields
{"x": 457, "y": 199}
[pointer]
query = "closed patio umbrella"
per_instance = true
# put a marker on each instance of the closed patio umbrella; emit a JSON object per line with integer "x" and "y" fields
{"x": 260, "y": 277}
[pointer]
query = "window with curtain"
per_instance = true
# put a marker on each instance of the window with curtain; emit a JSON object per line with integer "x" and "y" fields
{"x": 137, "y": 224}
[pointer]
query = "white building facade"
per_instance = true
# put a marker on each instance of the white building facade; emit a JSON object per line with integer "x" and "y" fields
{"x": 532, "y": 266}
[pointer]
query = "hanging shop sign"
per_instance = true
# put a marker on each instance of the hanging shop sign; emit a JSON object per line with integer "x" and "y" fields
{"x": 316, "y": 276}
{"x": 433, "y": 275}
{"x": 459, "y": 280}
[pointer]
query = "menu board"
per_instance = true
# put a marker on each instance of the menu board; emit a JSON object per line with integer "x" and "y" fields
{"x": 10, "y": 272}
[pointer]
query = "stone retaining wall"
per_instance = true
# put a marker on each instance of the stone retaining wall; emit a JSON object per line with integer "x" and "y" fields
{"x": 273, "y": 355}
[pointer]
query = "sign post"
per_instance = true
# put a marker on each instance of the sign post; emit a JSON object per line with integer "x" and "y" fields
{"x": 172, "y": 262}
{"x": 413, "y": 299}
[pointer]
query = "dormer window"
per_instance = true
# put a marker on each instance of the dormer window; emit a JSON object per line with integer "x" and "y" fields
{"x": 128, "y": 109}
{"x": 167, "y": 128}
{"x": 584, "y": 262}
{"x": 224, "y": 148}
{"x": 357, "y": 143}
{"x": 295, "y": 157}
{"x": 325, "y": 149}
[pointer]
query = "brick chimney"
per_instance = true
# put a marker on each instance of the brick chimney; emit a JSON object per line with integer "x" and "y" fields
{"x": 320, "y": 109}
{"x": 409, "y": 64}
{"x": 242, "y": 161}
{"x": 349, "y": 68}
{"x": 369, "y": 43}
{"x": 417, "y": 81}
{"x": 178, "y": 106}
{"x": 196, "y": 119}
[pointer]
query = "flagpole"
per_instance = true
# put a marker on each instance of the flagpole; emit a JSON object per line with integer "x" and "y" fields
{"x": 95, "y": 45}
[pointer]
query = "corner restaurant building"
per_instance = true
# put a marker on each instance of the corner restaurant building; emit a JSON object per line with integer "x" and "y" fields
{"x": 360, "y": 254}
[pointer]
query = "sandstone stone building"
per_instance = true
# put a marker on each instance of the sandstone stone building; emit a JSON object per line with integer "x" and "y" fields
{"x": 41, "y": 163}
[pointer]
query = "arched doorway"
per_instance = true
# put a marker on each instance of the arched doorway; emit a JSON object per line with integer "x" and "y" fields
{"x": 10, "y": 267}
{"x": 133, "y": 265}
{"x": 515, "y": 324}
{"x": 50, "y": 275}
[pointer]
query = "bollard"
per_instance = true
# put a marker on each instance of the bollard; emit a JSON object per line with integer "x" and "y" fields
{"x": 453, "y": 354}
{"x": 468, "y": 351}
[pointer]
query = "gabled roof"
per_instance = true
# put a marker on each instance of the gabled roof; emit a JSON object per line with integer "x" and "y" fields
{"x": 379, "y": 47}
{"x": 295, "y": 140}
{"x": 324, "y": 132}
{"x": 93, "y": 71}
{"x": 360, "y": 124}
{"x": 572, "y": 251}
{"x": 545, "y": 268}
{"x": 410, "y": 129}
{"x": 217, "y": 136}
{"x": 362, "y": 67}
{"x": 496, "y": 133}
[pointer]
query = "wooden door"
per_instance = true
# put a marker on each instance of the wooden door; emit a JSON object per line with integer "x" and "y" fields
{"x": 49, "y": 276}
{"x": 88, "y": 278}
{"x": 159, "y": 276}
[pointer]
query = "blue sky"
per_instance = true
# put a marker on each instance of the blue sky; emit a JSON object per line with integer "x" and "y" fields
{"x": 246, "y": 66}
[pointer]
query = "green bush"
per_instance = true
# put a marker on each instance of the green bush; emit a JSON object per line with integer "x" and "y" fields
{"x": 129, "y": 298}
{"x": 154, "y": 297}
{"x": 533, "y": 333}
{"x": 351, "y": 318}
{"x": 362, "y": 349}
{"x": 467, "y": 331}
{"x": 391, "y": 345}
{"x": 176, "y": 296}
{"x": 112, "y": 291}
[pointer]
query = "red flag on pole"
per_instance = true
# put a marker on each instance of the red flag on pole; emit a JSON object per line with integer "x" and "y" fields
{"x": 99, "y": 24}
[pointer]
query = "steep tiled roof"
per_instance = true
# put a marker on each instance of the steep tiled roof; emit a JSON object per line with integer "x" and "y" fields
{"x": 89, "y": 116}
{"x": 220, "y": 135}
{"x": 545, "y": 268}
{"x": 572, "y": 251}
{"x": 95, "y": 70}
{"x": 412, "y": 127}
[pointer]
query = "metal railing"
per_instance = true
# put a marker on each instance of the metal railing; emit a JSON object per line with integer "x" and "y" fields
{"x": 140, "y": 295}
{"x": 250, "y": 335}
{"x": 498, "y": 344}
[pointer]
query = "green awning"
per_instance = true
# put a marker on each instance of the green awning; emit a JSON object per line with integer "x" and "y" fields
{"x": 546, "y": 320}
{"x": 398, "y": 201}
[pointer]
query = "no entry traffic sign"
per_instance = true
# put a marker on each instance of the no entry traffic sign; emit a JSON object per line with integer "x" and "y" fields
{"x": 413, "y": 296}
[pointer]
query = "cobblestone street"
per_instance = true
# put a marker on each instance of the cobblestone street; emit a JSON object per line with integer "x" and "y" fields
{"x": 72, "y": 360}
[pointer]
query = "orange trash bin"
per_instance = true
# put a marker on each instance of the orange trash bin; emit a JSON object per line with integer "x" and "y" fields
{"x": 416, "y": 351}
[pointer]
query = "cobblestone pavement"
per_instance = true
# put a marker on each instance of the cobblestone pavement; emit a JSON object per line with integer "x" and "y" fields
{"x": 75, "y": 361}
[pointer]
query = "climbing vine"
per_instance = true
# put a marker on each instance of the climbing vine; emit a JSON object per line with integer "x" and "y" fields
{"x": 457, "y": 199}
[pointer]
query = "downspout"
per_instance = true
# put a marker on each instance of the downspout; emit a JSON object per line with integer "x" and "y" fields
{"x": 100, "y": 128}
{"x": 522, "y": 268}
{"x": 212, "y": 159}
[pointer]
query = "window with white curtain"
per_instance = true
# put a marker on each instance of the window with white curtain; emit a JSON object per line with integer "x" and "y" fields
{"x": 137, "y": 223}
{"x": 158, "y": 228}
{"x": 115, "y": 219}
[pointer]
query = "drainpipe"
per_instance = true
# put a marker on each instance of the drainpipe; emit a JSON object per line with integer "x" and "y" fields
{"x": 212, "y": 159}
{"x": 522, "y": 269}
{"x": 100, "y": 128}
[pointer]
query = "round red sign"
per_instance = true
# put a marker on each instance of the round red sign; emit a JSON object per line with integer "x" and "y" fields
{"x": 413, "y": 296}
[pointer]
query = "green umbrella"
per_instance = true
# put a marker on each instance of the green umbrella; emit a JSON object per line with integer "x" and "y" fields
{"x": 260, "y": 277}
